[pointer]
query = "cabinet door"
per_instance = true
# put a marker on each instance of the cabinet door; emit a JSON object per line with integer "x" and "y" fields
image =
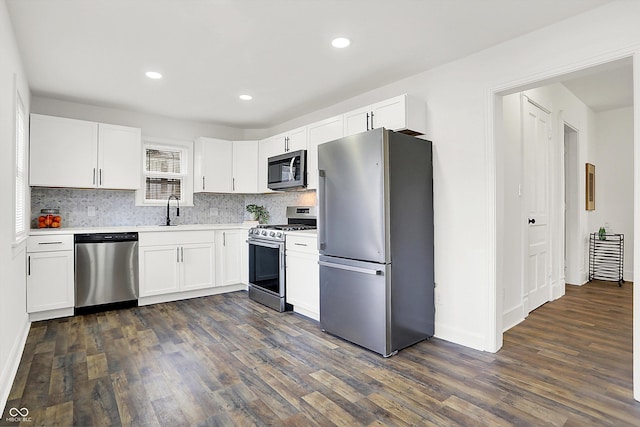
{"x": 197, "y": 261}
{"x": 245, "y": 166}
{"x": 120, "y": 157}
{"x": 159, "y": 270}
{"x": 390, "y": 113}
{"x": 357, "y": 121}
{"x": 267, "y": 148}
{"x": 63, "y": 152}
{"x": 297, "y": 139}
{"x": 319, "y": 133}
{"x": 49, "y": 281}
{"x": 213, "y": 165}
{"x": 228, "y": 259}
{"x": 303, "y": 283}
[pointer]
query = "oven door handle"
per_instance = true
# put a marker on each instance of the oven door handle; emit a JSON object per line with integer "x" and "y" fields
{"x": 263, "y": 244}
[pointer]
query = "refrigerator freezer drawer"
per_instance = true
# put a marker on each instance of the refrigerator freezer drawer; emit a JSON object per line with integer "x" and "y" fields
{"x": 354, "y": 303}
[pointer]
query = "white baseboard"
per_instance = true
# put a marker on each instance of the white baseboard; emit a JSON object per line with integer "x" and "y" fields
{"x": 312, "y": 314}
{"x": 459, "y": 336}
{"x": 9, "y": 371}
{"x": 156, "y": 299}
{"x": 512, "y": 317}
{"x": 51, "y": 314}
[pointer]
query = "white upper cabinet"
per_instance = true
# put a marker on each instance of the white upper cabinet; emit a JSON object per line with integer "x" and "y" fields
{"x": 402, "y": 113}
{"x": 245, "y": 166}
{"x": 119, "y": 159}
{"x": 357, "y": 121}
{"x": 213, "y": 165}
{"x": 222, "y": 166}
{"x": 319, "y": 133}
{"x": 82, "y": 154}
{"x": 267, "y": 148}
{"x": 292, "y": 140}
{"x": 62, "y": 152}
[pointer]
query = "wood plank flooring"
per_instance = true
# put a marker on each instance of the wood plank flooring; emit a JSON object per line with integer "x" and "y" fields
{"x": 228, "y": 361}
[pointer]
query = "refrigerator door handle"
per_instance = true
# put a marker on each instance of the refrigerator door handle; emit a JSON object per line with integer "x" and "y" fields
{"x": 321, "y": 212}
{"x": 352, "y": 268}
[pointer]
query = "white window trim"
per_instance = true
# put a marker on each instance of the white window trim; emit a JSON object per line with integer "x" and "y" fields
{"x": 187, "y": 175}
{"x": 20, "y": 234}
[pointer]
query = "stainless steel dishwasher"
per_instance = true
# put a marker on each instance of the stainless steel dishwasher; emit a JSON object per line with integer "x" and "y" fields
{"x": 106, "y": 269}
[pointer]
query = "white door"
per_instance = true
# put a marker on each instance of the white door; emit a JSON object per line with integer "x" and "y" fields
{"x": 536, "y": 141}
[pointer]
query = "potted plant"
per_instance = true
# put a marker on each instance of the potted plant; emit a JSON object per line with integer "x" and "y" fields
{"x": 259, "y": 213}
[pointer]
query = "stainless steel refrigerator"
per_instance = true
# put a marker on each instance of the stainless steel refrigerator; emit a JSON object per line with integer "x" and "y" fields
{"x": 375, "y": 236}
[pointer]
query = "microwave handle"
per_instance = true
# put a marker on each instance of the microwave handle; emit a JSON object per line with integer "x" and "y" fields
{"x": 293, "y": 160}
{"x": 321, "y": 211}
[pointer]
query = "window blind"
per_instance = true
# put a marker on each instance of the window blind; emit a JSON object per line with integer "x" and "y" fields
{"x": 163, "y": 173}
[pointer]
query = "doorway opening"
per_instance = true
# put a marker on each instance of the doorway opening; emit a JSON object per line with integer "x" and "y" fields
{"x": 579, "y": 113}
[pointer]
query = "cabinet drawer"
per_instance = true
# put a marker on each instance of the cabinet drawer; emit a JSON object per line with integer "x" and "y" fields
{"x": 169, "y": 237}
{"x": 307, "y": 244}
{"x": 54, "y": 242}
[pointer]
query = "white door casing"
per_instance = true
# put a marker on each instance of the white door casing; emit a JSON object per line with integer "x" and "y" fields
{"x": 536, "y": 137}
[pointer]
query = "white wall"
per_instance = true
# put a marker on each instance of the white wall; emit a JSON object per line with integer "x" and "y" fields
{"x": 14, "y": 322}
{"x": 614, "y": 178}
{"x": 151, "y": 124}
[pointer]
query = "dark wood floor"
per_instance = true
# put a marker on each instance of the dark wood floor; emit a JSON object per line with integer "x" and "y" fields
{"x": 225, "y": 360}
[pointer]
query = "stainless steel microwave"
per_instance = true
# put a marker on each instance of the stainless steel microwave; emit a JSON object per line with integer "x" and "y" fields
{"x": 287, "y": 171}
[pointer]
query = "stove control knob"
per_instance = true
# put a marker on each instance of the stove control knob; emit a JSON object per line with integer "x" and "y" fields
{"x": 279, "y": 235}
{"x": 264, "y": 233}
{"x": 272, "y": 234}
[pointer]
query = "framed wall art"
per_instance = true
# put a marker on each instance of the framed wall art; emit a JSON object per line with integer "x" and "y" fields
{"x": 590, "y": 187}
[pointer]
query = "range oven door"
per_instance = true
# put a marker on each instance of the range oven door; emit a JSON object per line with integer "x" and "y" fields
{"x": 267, "y": 273}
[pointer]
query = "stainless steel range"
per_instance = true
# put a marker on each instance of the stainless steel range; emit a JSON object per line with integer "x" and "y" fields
{"x": 267, "y": 278}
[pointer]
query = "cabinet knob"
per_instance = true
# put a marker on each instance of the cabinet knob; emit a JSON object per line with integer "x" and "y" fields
{"x": 532, "y": 220}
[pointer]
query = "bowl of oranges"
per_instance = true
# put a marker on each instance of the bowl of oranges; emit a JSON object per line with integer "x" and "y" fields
{"x": 49, "y": 218}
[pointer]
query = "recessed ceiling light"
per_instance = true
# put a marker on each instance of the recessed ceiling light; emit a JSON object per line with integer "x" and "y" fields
{"x": 153, "y": 75}
{"x": 246, "y": 97}
{"x": 340, "y": 42}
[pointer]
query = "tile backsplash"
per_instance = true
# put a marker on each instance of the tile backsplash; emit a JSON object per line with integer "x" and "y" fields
{"x": 118, "y": 207}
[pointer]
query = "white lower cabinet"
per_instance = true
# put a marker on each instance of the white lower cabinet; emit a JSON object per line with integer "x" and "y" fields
{"x": 50, "y": 275}
{"x": 229, "y": 245}
{"x": 176, "y": 261}
{"x": 303, "y": 275}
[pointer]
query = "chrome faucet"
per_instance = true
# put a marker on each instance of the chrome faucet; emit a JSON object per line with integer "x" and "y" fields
{"x": 173, "y": 196}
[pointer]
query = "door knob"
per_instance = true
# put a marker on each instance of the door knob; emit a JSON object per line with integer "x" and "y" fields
{"x": 532, "y": 220}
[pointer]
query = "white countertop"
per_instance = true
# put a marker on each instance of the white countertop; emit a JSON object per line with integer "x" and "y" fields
{"x": 138, "y": 228}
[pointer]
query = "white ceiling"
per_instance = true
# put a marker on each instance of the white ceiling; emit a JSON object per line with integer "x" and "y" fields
{"x": 211, "y": 51}
{"x": 606, "y": 87}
